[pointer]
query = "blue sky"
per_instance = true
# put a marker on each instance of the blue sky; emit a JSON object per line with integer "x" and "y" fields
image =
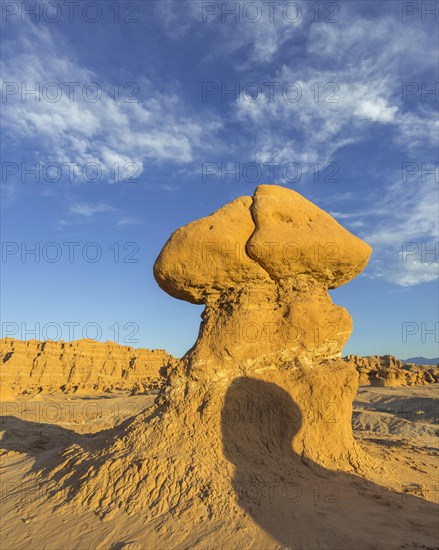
{"x": 142, "y": 110}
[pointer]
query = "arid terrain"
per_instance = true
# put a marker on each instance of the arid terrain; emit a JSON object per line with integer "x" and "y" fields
{"x": 397, "y": 426}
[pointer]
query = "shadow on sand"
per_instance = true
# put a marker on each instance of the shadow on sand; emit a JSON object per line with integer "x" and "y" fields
{"x": 302, "y": 505}
{"x": 297, "y": 503}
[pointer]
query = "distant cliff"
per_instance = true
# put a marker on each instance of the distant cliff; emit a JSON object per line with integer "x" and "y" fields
{"x": 32, "y": 366}
{"x": 422, "y": 361}
{"x": 29, "y": 366}
{"x": 386, "y": 370}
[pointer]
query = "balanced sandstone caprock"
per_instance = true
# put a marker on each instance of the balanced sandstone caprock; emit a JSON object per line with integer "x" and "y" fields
{"x": 304, "y": 239}
{"x": 280, "y": 230}
{"x": 263, "y": 267}
{"x": 208, "y": 256}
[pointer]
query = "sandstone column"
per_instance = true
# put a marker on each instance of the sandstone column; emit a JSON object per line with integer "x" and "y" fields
{"x": 263, "y": 266}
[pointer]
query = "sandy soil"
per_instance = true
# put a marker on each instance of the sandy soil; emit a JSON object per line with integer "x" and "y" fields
{"x": 400, "y": 426}
{"x": 397, "y": 426}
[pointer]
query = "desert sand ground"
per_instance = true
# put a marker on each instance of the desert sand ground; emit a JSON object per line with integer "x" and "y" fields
{"x": 398, "y": 426}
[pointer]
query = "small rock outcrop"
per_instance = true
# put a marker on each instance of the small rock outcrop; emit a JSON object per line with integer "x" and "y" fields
{"x": 386, "y": 370}
{"x": 30, "y": 366}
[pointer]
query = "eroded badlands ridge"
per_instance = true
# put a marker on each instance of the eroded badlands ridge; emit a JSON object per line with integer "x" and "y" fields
{"x": 27, "y": 367}
{"x": 31, "y": 366}
{"x": 386, "y": 370}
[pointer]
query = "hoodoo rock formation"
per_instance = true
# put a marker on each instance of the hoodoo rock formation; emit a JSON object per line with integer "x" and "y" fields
{"x": 270, "y": 338}
{"x": 263, "y": 267}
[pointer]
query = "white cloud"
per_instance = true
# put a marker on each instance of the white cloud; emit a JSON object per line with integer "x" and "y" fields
{"x": 417, "y": 130}
{"x": 350, "y": 80}
{"x": 88, "y": 210}
{"x": 129, "y": 220}
{"x": 376, "y": 111}
{"x": 411, "y": 273}
{"x": 402, "y": 226}
{"x": 356, "y": 225}
{"x": 75, "y": 129}
{"x": 346, "y": 215}
{"x": 249, "y": 32}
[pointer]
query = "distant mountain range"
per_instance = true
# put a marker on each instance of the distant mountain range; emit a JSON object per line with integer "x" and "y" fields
{"x": 421, "y": 360}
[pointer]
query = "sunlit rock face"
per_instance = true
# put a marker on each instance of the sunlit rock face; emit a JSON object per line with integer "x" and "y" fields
{"x": 34, "y": 366}
{"x": 263, "y": 267}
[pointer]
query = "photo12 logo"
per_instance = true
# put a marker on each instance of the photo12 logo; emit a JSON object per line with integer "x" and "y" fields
{"x": 412, "y": 331}
{"x": 54, "y": 92}
{"x": 269, "y": 92}
{"x": 423, "y": 91}
{"x": 67, "y": 331}
{"x": 70, "y": 11}
{"x": 262, "y": 172}
{"x": 53, "y": 252}
{"x": 69, "y": 172}
{"x": 420, "y": 252}
{"x": 420, "y": 11}
{"x": 270, "y": 12}
{"x": 419, "y": 170}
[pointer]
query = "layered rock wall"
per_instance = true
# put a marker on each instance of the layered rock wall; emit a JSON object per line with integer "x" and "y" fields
{"x": 29, "y": 366}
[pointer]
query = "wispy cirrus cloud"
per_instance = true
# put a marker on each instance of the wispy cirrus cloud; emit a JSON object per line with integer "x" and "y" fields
{"x": 401, "y": 224}
{"x": 88, "y": 210}
{"x": 129, "y": 220}
{"x": 349, "y": 74}
{"x": 349, "y": 78}
{"x": 250, "y": 32}
{"x": 142, "y": 125}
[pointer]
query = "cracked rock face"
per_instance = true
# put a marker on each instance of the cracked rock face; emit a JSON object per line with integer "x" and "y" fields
{"x": 207, "y": 257}
{"x": 294, "y": 237}
{"x": 263, "y": 266}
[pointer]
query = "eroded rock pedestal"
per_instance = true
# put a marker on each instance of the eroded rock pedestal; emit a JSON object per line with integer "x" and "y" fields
{"x": 263, "y": 267}
{"x": 264, "y": 387}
